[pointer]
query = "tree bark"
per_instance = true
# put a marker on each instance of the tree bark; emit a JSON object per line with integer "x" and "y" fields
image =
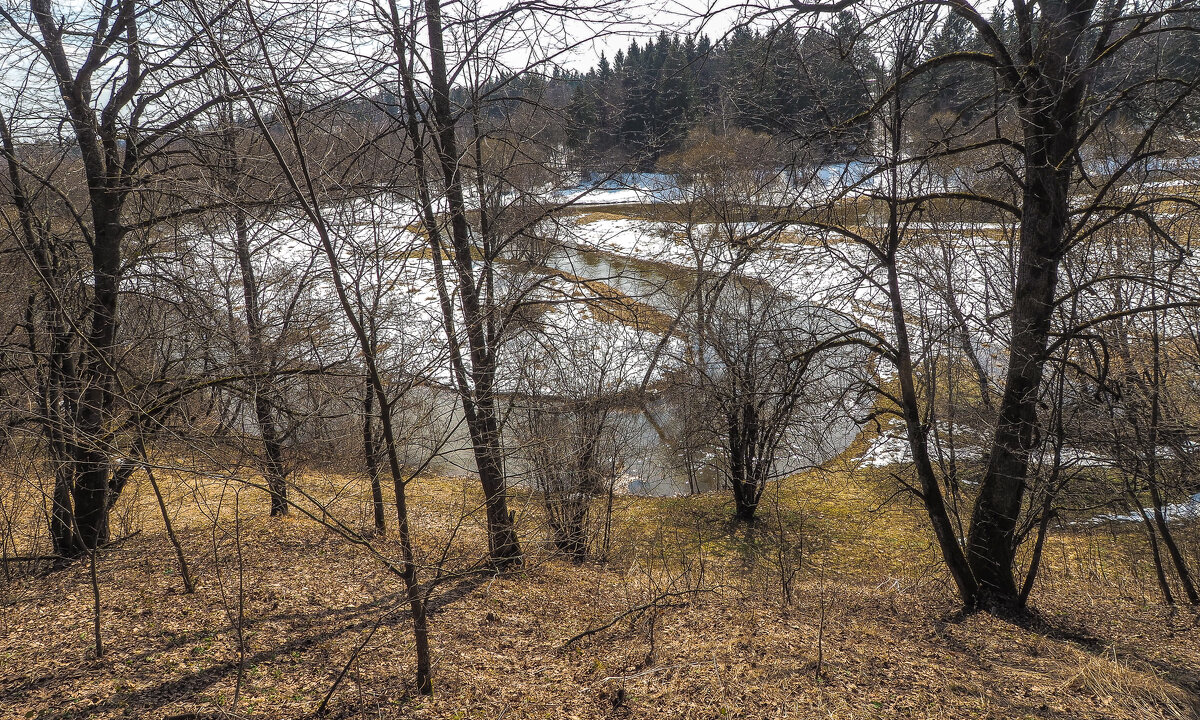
{"x": 264, "y": 414}
{"x": 371, "y": 455}
{"x": 479, "y": 402}
{"x": 1050, "y": 108}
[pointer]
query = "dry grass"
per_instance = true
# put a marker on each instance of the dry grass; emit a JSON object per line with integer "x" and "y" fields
{"x": 873, "y": 631}
{"x": 606, "y": 303}
{"x": 1114, "y": 683}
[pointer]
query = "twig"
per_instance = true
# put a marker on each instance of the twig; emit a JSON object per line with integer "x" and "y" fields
{"x": 96, "y": 599}
{"x": 322, "y": 709}
{"x": 188, "y": 585}
{"x": 656, "y": 602}
{"x": 241, "y": 608}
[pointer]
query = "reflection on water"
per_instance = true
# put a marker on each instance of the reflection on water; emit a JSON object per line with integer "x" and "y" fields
{"x": 665, "y": 448}
{"x": 662, "y": 451}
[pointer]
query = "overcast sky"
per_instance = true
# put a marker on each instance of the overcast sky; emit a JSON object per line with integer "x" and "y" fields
{"x": 714, "y": 18}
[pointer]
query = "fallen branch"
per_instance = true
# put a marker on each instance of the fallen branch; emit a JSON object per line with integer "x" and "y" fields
{"x": 59, "y": 558}
{"x": 657, "y": 602}
{"x": 113, "y": 543}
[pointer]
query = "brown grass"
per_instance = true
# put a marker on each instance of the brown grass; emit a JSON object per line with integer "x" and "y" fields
{"x": 873, "y": 631}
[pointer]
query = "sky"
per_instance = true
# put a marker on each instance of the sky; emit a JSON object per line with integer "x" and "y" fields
{"x": 645, "y": 19}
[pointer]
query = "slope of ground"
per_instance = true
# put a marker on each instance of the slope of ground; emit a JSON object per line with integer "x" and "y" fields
{"x": 705, "y": 627}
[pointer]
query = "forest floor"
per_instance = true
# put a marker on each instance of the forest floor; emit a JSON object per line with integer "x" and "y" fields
{"x": 871, "y": 628}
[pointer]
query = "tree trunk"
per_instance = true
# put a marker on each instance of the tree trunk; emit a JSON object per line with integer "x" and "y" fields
{"x": 62, "y": 527}
{"x": 478, "y": 400}
{"x": 88, "y": 446}
{"x": 1155, "y": 554}
{"x": 1168, "y": 538}
{"x": 56, "y": 416}
{"x": 371, "y": 454}
{"x": 1050, "y": 111}
{"x": 991, "y": 540}
{"x": 930, "y": 489}
{"x": 503, "y": 547}
{"x": 745, "y": 475}
{"x": 1152, "y": 470}
{"x": 105, "y": 155}
{"x": 54, "y": 380}
{"x": 264, "y": 414}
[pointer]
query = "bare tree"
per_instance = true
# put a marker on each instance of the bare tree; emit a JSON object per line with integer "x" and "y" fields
{"x": 447, "y": 136}
{"x": 287, "y": 145}
{"x": 123, "y": 85}
{"x": 761, "y": 353}
{"x": 1047, "y": 115}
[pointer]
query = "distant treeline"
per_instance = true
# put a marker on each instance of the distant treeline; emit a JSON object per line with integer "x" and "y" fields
{"x": 643, "y": 102}
{"x": 812, "y": 82}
